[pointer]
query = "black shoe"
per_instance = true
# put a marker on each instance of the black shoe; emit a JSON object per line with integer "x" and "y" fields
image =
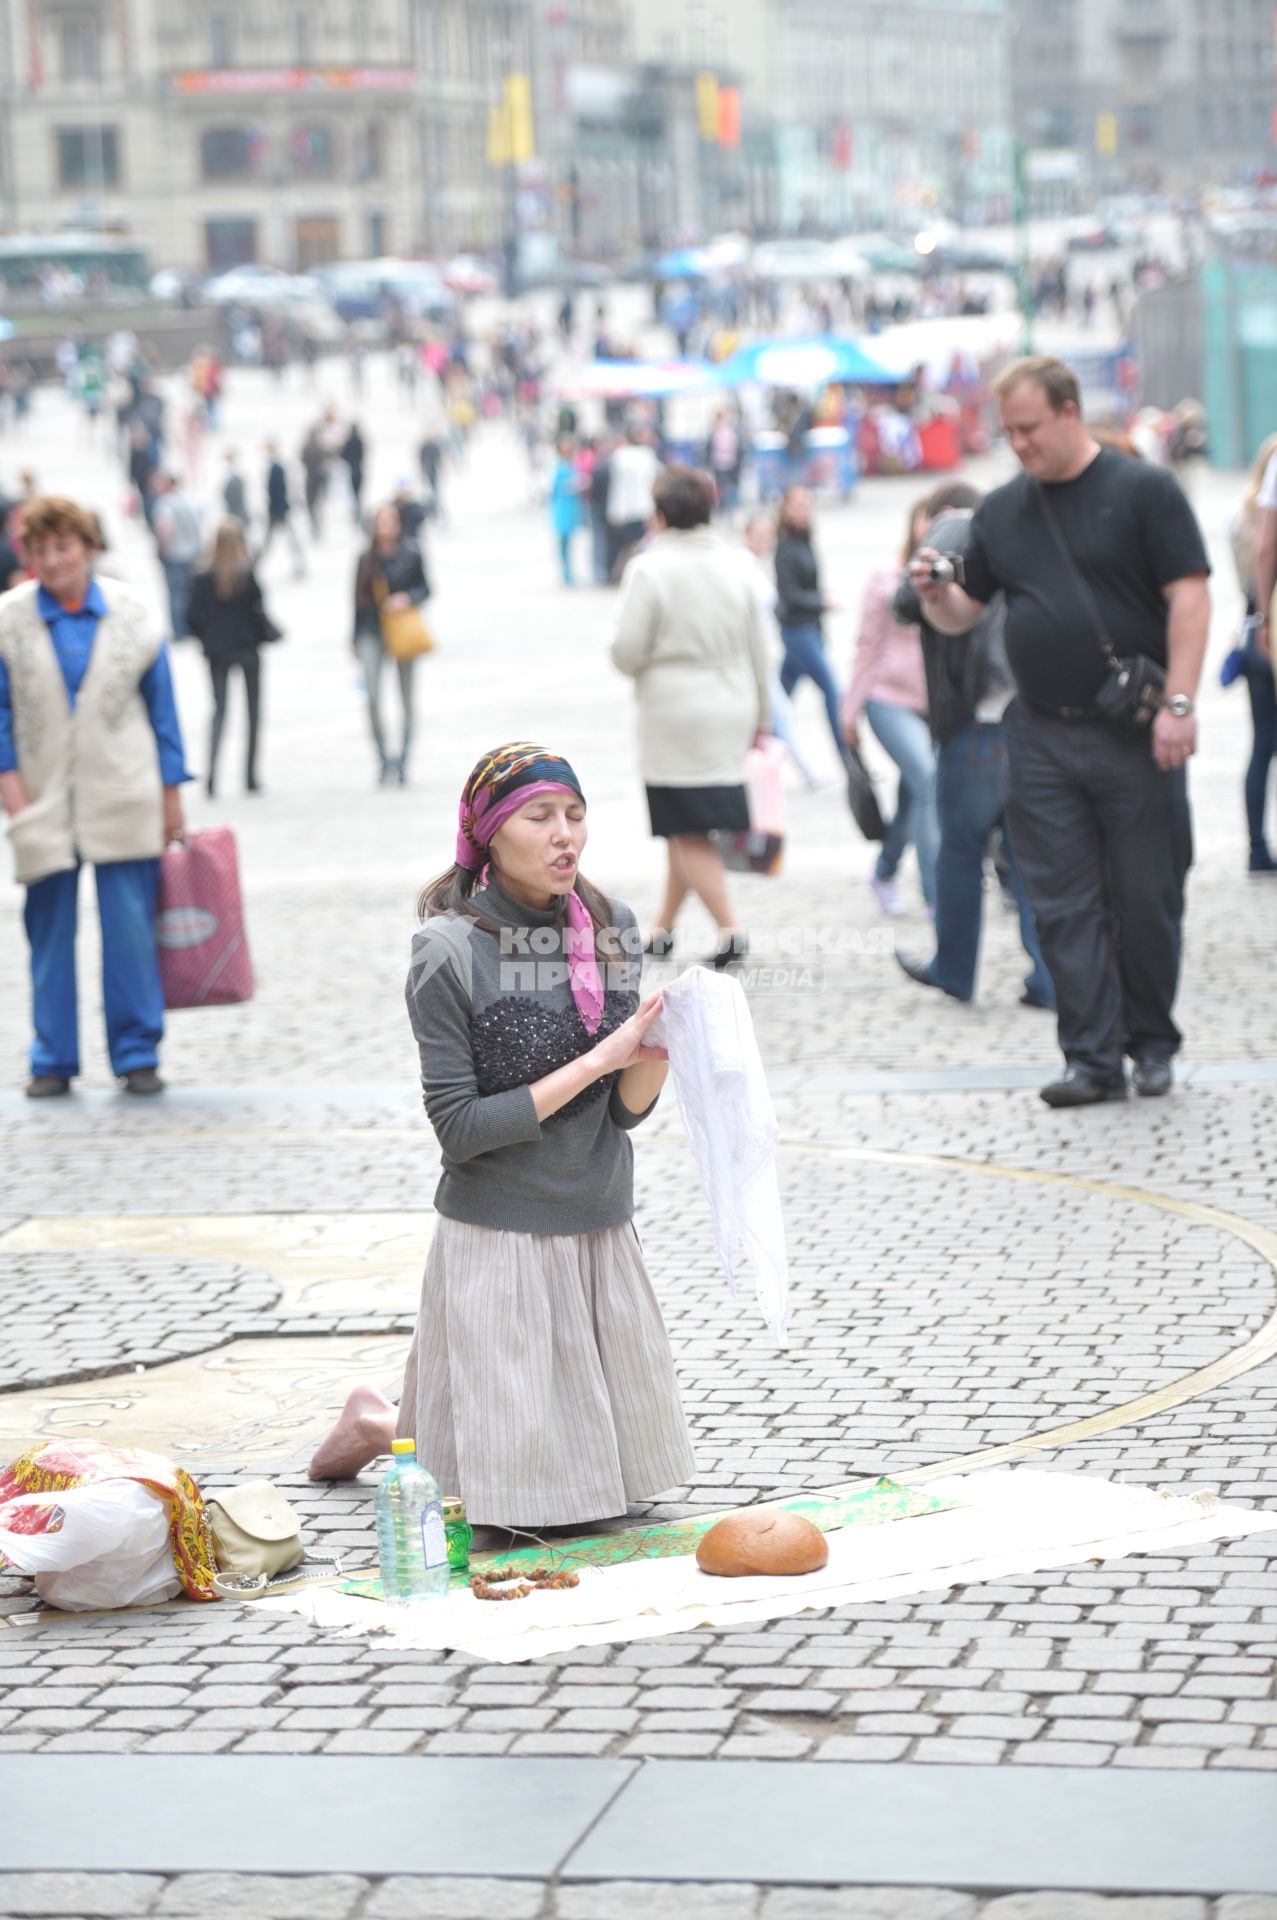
{"x": 1078, "y": 1088}
{"x": 47, "y": 1086}
{"x": 732, "y": 950}
{"x": 659, "y": 944}
{"x": 1261, "y": 861}
{"x": 143, "y": 1080}
{"x": 1028, "y": 999}
{"x": 1152, "y": 1077}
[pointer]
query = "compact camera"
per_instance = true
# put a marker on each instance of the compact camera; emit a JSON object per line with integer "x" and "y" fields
{"x": 947, "y": 570}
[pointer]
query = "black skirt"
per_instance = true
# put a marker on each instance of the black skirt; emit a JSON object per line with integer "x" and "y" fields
{"x": 697, "y": 810}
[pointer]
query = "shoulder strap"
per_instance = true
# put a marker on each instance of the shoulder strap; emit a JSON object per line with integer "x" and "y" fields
{"x": 1075, "y": 572}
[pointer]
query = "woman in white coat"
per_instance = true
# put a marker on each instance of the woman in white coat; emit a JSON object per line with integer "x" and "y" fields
{"x": 691, "y": 636}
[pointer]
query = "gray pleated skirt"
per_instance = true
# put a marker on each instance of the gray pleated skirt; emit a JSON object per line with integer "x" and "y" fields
{"x": 540, "y": 1385}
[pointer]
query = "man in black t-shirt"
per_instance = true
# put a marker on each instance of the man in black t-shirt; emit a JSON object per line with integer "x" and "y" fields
{"x": 1098, "y": 815}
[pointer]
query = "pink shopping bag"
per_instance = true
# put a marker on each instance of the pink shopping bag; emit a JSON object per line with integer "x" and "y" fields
{"x": 199, "y": 924}
{"x": 761, "y": 850}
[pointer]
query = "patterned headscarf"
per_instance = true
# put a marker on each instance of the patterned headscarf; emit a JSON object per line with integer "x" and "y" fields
{"x": 500, "y": 783}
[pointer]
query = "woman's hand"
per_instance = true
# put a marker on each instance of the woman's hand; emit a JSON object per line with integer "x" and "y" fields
{"x": 625, "y": 1047}
{"x": 13, "y": 793}
{"x": 396, "y": 603}
{"x": 851, "y": 734}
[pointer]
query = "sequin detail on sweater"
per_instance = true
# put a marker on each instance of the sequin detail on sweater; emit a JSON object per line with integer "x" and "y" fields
{"x": 517, "y": 1040}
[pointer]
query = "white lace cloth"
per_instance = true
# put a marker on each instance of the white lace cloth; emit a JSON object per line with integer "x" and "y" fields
{"x": 722, "y": 1093}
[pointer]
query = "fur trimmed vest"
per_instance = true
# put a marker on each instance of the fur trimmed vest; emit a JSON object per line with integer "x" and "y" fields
{"x": 92, "y": 773}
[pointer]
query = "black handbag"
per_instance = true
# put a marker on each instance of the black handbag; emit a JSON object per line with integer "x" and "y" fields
{"x": 1133, "y": 686}
{"x": 862, "y": 796}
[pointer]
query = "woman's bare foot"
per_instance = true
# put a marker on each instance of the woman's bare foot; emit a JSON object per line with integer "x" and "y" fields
{"x": 365, "y": 1428}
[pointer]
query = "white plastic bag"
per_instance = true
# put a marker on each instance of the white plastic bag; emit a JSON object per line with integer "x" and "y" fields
{"x": 111, "y": 1549}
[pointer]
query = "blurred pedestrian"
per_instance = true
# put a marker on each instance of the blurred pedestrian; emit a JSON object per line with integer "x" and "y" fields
{"x": 228, "y": 617}
{"x": 314, "y": 459}
{"x": 691, "y": 636}
{"x": 635, "y": 468}
{"x": 352, "y": 452}
{"x": 279, "y": 515}
{"x": 969, "y": 688}
{"x": 390, "y": 577}
{"x": 1254, "y": 538}
{"x": 760, "y": 539}
{"x": 565, "y": 503}
{"x": 234, "y": 491}
{"x": 91, "y": 770}
{"x": 889, "y": 689}
{"x": 802, "y": 606}
{"x": 178, "y": 524}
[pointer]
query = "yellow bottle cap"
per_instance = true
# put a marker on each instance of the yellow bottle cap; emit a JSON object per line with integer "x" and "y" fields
{"x": 403, "y": 1446}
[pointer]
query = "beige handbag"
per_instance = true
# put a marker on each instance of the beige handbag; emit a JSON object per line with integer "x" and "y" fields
{"x": 255, "y": 1531}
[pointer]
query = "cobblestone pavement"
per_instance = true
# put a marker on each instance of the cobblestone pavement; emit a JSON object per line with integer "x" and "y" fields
{"x": 194, "y": 1896}
{"x": 938, "y": 1309}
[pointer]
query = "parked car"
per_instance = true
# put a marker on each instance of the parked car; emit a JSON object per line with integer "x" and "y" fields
{"x": 260, "y": 287}
{"x": 794, "y": 260}
{"x": 467, "y": 274}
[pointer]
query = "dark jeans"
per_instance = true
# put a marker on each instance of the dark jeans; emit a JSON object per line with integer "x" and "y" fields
{"x": 1104, "y": 841}
{"x": 178, "y": 575}
{"x": 249, "y": 663}
{"x": 971, "y": 784}
{"x": 806, "y": 659}
{"x": 1263, "y": 712}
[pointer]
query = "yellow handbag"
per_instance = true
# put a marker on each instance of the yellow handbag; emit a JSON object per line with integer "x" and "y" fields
{"x": 404, "y": 634}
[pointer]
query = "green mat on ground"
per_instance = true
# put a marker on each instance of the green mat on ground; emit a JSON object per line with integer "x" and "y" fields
{"x": 871, "y": 1506}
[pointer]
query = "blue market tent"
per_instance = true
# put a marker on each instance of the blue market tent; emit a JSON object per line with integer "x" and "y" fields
{"x": 685, "y": 263}
{"x": 814, "y": 361}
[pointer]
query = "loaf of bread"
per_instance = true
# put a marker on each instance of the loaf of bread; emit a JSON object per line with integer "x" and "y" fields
{"x": 762, "y": 1540}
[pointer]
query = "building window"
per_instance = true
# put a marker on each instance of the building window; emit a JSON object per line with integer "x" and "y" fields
{"x": 229, "y": 243}
{"x": 316, "y": 241}
{"x": 313, "y": 152}
{"x": 368, "y": 151}
{"x": 81, "y": 47}
{"x": 221, "y": 46}
{"x": 88, "y": 157}
{"x": 228, "y": 153}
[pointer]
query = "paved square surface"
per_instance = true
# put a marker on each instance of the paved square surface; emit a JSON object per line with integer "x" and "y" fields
{"x": 255, "y": 1239}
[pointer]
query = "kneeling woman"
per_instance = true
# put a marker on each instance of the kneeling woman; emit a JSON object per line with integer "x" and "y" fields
{"x": 540, "y": 1384}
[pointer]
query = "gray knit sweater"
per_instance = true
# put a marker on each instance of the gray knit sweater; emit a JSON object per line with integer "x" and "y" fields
{"x": 492, "y": 1013}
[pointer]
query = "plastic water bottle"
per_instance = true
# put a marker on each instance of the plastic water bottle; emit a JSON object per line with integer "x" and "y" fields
{"x": 412, "y": 1544}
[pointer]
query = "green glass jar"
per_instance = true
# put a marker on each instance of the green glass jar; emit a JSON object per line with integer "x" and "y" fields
{"x": 459, "y": 1534}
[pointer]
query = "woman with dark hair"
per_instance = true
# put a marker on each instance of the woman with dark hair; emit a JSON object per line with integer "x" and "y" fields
{"x": 540, "y": 1385}
{"x": 390, "y": 577}
{"x": 227, "y": 616}
{"x": 801, "y": 605}
{"x": 692, "y": 638}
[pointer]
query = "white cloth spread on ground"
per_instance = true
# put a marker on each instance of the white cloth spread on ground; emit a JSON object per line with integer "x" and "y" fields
{"x": 727, "y": 1109}
{"x": 1011, "y": 1521}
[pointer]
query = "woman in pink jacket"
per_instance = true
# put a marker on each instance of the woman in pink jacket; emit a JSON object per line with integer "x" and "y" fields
{"x": 889, "y": 687}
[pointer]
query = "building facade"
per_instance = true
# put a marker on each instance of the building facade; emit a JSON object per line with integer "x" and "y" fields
{"x": 249, "y": 131}
{"x": 888, "y": 111}
{"x": 1161, "y": 95}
